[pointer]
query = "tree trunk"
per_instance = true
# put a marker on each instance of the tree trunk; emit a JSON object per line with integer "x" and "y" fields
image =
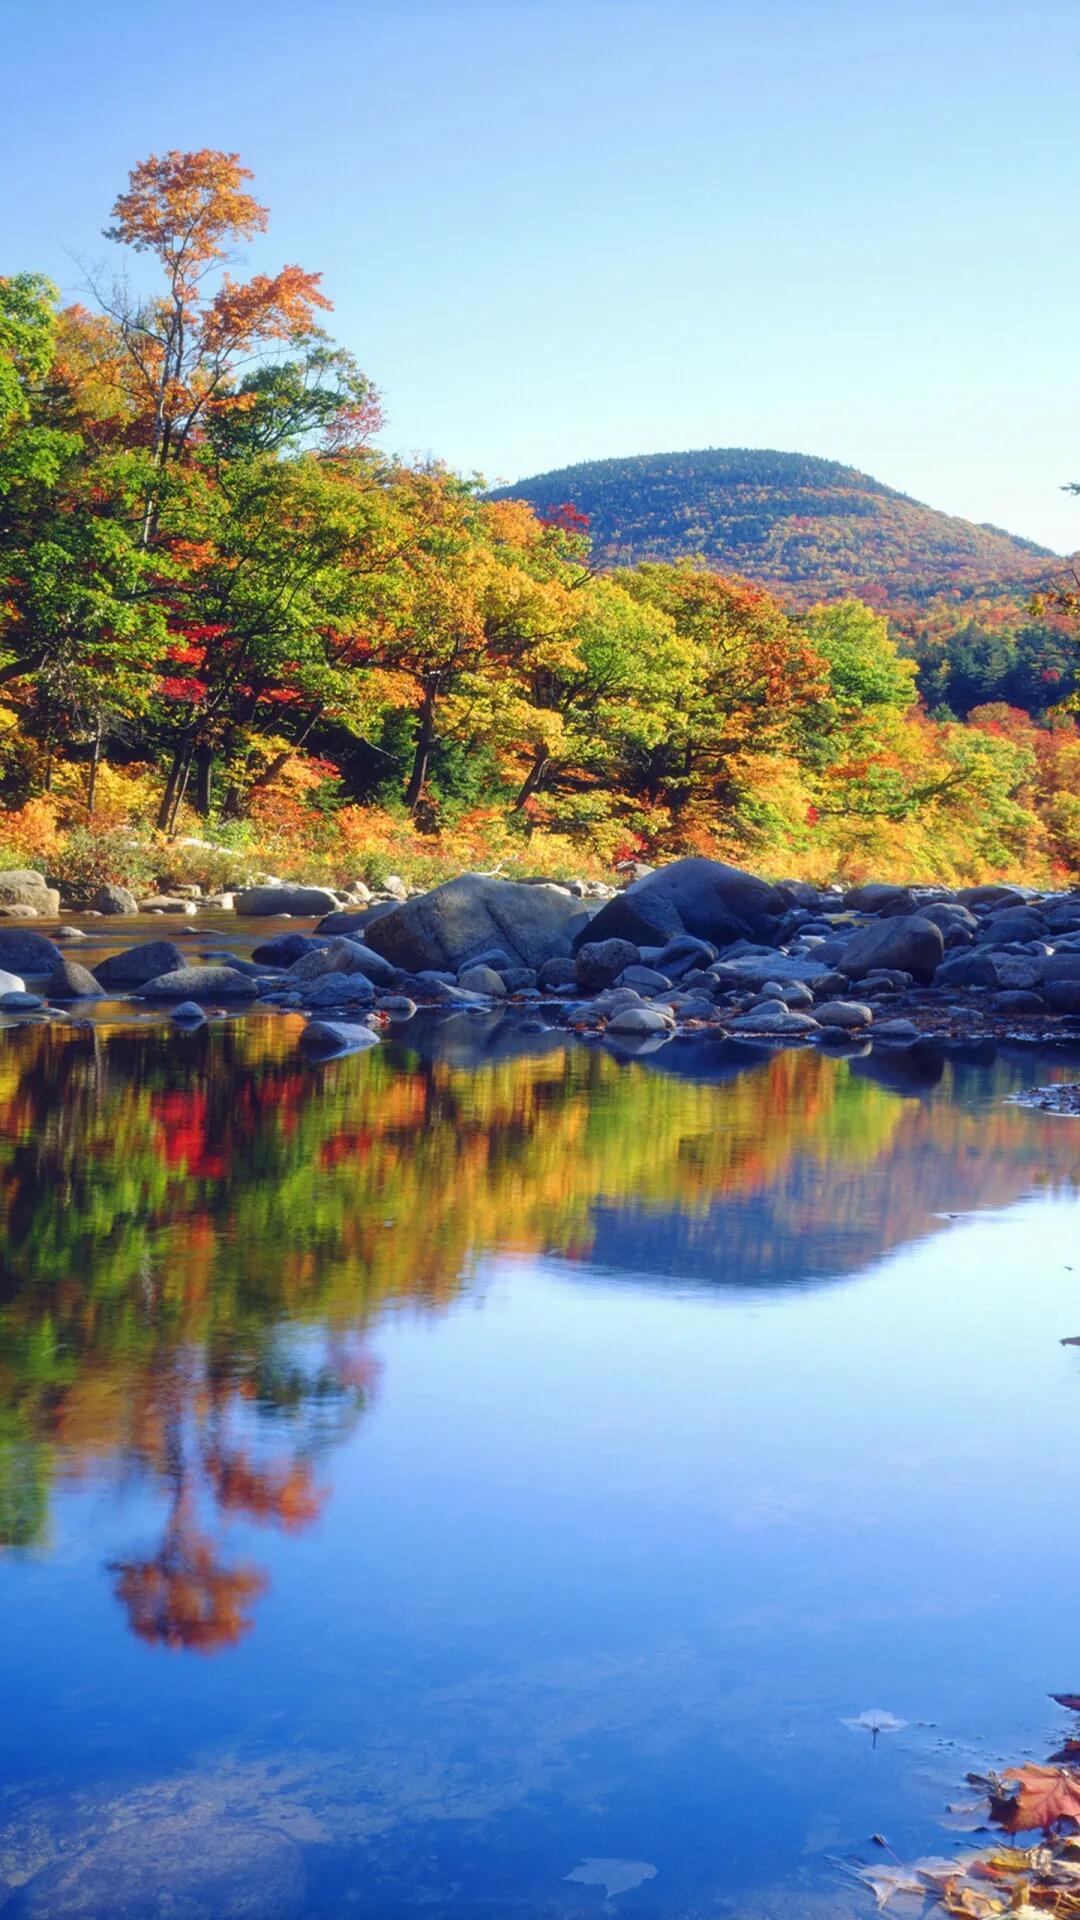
{"x": 181, "y": 786}
{"x": 204, "y": 779}
{"x": 425, "y": 740}
{"x": 95, "y": 762}
{"x": 164, "y": 812}
{"x": 533, "y": 779}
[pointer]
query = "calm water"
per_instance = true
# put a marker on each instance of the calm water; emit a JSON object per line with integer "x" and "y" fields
{"x": 426, "y": 1476}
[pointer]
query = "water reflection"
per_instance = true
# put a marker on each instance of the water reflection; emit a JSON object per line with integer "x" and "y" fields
{"x": 198, "y": 1232}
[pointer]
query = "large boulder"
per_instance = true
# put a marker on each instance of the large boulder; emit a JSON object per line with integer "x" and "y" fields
{"x": 353, "y": 920}
{"x": 134, "y": 966}
{"x": 114, "y": 899}
{"x": 27, "y": 952}
{"x": 302, "y": 901}
{"x": 703, "y": 897}
{"x": 200, "y": 983}
{"x": 69, "y": 981}
{"x": 912, "y": 945}
{"x": 452, "y": 925}
{"x": 25, "y": 887}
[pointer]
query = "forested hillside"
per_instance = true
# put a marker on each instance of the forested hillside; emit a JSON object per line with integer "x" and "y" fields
{"x": 235, "y": 635}
{"x": 958, "y": 595}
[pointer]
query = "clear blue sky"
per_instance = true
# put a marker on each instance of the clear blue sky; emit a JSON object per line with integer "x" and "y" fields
{"x": 555, "y": 230}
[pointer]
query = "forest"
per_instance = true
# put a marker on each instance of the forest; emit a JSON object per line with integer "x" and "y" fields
{"x": 236, "y": 635}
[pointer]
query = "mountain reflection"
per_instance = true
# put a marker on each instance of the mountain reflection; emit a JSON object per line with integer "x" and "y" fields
{"x": 198, "y": 1232}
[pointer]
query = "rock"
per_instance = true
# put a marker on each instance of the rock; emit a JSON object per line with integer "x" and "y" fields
{"x": 302, "y": 901}
{"x": 199, "y": 983}
{"x": 19, "y": 913}
{"x": 995, "y": 895}
{"x": 600, "y": 962}
{"x": 640, "y": 1020}
{"x": 167, "y": 903}
{"x": 199, "y": 1865}
{"x": 1056, "y": 966}
{"x": 113, "y": 899}
{"x": 1062, "y": 995}
{"x": 11, "y": 982}
{"x": 779, "y": 968}
{"x": 339, "y": 990}
{"x": 913, "y": 944}
{"x": 681, "y": 955}
{"x": 773, "y": 1017}
{"x": 519, "y": 979}
{"x": 325, "y": 956}
{"x": 17, "y": 1000}
{"x": 68, "y": 933}
{"x": 328, "y": 1039}
{"x": 896, "y": 1031}
{"x": 364, "y": 959}
{"x": 716, "y": 903}
{"x": 644, "y": 980}
{"x": 480, "y": 979}
{"x": 1015, "y": 925}
{"x": 395, "y": 886}
{"x": 353, "y": 923}
{"x": 27, "y": 952}
{"x": 25, "y": 887}
{"x": 134, "y": 966}
{"x": 69, "y": 981}
{"x": 284, "y": 948}
{"x": 449, "y": 926}
{"x": 948, "y": 914}
{"x": 1019, "y": 1001}
{"x": 188, "y": 1014}
{"x": 881, "y": 898}
{"x": 844, "y": 1013}
{"x": 555, "y": 974}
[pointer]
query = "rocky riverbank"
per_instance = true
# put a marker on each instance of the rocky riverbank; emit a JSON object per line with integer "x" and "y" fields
{"x": 691, "y": 948}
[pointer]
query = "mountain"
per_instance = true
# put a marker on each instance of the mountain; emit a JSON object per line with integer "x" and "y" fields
{"x": 811, "y": 529}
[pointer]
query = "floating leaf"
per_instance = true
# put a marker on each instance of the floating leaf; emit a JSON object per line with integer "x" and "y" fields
{"x": 874, "y": 1721}
{"x": 1024, "y": 1798}
{"x": 615, "y": 1876}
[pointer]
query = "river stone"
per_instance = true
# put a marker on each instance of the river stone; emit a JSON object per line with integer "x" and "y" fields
{"x": 1056, "y": 966}
{"x": 717, "y": 903}
{"x": 194, "y": 1866}
{"x": 326, "y": 1039}
{"x": 481, "y": 979}
{"x": 18, "y": 1000}
{"x": 25, "y": 887}
{"x": 448, "y": 927}
{"x": 167, "y": 903}
{"x": 347, "y": 920}
{"x": 555, "y": 974}
{"x": 896, "y": 1031}
{"x": 114, "y": 899}
{"x": 844, "y": 1013}
{"x": 134, "y": 966}
{"x": 995, "y": 894}
{"x": 1062, "y": 995}
{"x": 913, "y": 944}
{"x": 364, "y": 959}
{"x": 188, "y": 1014}
{"x": 600, "y": 962}
{"x": 10, "y": 982}
{"x": 302, "y": 901}
{"x": 27, "y": 952}
{"x": 284, "y": 948}
{"x": 1015, "y": 925}
{"x": 880, "y": 897}
{"x": 397, "y": 1005}
{"x": 19, "y": 913}
{"x": 640, "y": 1020}
{"x": 780, "y": 969}
{"x": 1017, "y": 1000}
{"x": 644, "y": 980}
{"x": 69, "y": 981}
{"x": 773, "y": 1017}
{"x": 339, "y": 990}
{"x": 199, "y": 983}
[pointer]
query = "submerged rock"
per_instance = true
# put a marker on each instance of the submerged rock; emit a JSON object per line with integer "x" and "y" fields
{"x": 27, "y": 952}
{"x": 133, "y": 966}
{"x": 199, "y": 983}
{"x": 198, "y": 1865}
{"x": 69, "y": 981}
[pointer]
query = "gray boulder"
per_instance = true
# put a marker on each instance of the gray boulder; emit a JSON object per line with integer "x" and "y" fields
{"x": 448, "y": 927}
{"x": 27, "y": 952}
{"x": 844, "y": 1013}
{"x": 199, "y": 983}
{"x": 481, "y": 979}
{"x": 773, "y": 1017}
{"x": 134, "y": 966}
{"x": 717, "y": 903}
{"x": 167, "y": 903}
{"x": 25, "y": 887}
{"x": 600, "y": 962}
{"x": 329, "y": 1039}
{"x": 69, "y": 981}
{"x": 113, "y": 899}
{"x": 11, "y": 982}
{"x": 556, "y": 974}
{"x": 640, "y": 1020}
{"x": 1062, "y": 995}
{"x": 779, "y": 968}
{"x": 912, "y": 944}
{"x": 296, "y": 900}
{"x": 339, "y": 990}
{"x": 284, "y": 948}
{"x": 347, "y": 920}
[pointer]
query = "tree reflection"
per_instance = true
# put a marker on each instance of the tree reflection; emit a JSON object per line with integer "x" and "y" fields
{"x": 196, "y": 1239}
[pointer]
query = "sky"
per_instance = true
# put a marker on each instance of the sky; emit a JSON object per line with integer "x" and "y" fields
{"x": 558, "y": 230}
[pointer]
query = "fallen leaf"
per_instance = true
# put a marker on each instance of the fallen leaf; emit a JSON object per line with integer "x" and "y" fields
{"x": 874, "y": 1721}
{"x": 1035, "y": 1797}
{"x": 1070, "y": 1700}
{"x": 1067, "y": 1754}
